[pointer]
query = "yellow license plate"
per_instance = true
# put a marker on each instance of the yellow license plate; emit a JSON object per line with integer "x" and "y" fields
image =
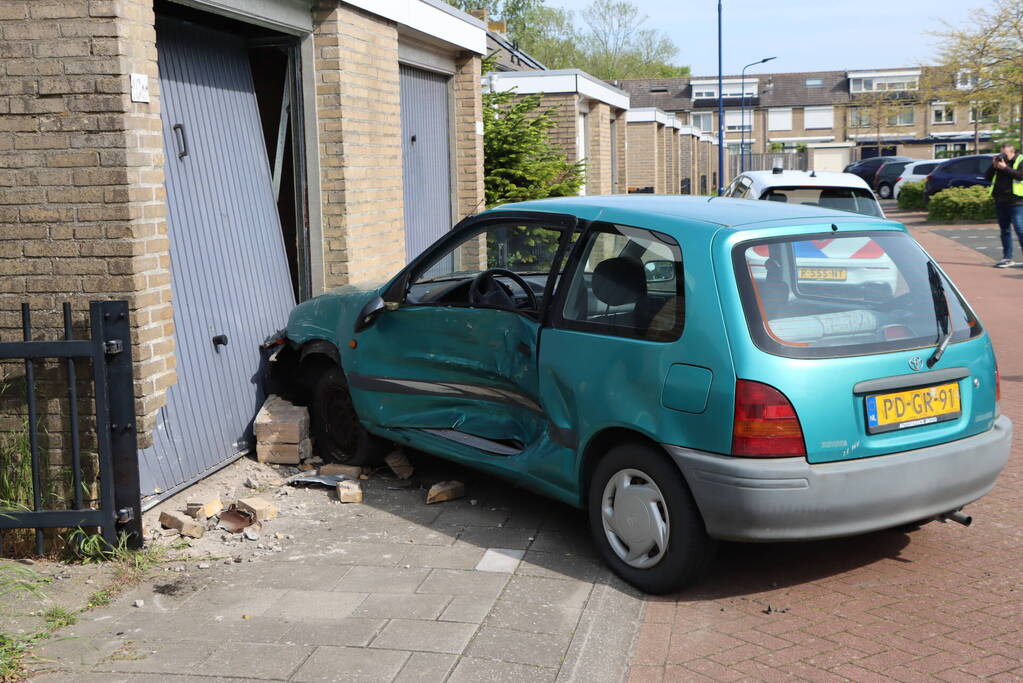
{"x": 822, "y": 273}
{"x": 913, "y": 408}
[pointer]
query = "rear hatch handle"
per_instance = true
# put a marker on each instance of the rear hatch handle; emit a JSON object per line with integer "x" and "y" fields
{"x": 941, "y": 314}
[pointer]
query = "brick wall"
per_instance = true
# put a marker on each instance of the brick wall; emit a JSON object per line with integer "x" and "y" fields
{"x": 644, "y": 157}
{"x": 598, "y": 158}
{"x": 359, "y": 118}
{"x": 565, "y": 115}
{"x": 622, "y": 142}
{"x": 687, "y": 160}
{"x": 468, "y": 143}
{"x": 82, "y": 204}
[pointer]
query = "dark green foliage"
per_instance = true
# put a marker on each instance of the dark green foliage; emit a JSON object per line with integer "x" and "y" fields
{"x": 912, "y": 197}
{"x": 962, "y": 204}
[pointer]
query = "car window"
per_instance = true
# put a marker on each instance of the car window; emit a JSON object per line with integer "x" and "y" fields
{"x": 893, "y": 169}
{"x": 962, "y": 167}
{"x": 984, "y": 163}
{"x": 529, "y": 250}
{"x": 843, "y": 296}
{"x": 923, "y": 169}
{"x": 854, "y": 199}
{"x": 628, "y": 283}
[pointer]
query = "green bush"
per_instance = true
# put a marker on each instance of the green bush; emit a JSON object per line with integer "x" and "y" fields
{"x": 912, "y": 197}
{"x": 962, "y": 203}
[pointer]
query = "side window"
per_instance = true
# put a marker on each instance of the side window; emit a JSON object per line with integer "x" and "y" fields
{"x": 923, "y": 169}
{"x": 628, "y": 283}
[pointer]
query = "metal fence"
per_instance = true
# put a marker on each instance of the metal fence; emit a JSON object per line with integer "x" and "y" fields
{"x": 109, "y": 351}
{"x": 766, "y": 161}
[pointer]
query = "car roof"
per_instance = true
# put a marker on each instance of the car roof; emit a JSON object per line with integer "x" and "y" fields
{"x": 687, "y": 212}
{"x": 914, "y": 164}
{"x": 763, "y": 180}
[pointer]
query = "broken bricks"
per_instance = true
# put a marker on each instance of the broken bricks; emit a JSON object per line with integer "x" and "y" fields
{"x": 209, "y": 508}
{"x": 353, "y": 471}
{"x": 260, "y": 508}
{"x": 182, "y": 523}
{"x": 282, "y": 432}
{"x": 399, "y": 464}
{"x": 349, "y": 491}
{"x": 445, "y": 490}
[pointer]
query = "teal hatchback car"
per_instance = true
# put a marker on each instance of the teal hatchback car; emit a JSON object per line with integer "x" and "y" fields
{"x": 685, "y": 369}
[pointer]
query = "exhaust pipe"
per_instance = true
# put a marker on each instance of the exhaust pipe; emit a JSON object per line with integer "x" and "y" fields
{"x": 957, "y": 516}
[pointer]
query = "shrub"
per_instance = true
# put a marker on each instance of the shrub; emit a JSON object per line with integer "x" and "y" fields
{"x": 912, "y": 197}
{"x": 962, "y": 203}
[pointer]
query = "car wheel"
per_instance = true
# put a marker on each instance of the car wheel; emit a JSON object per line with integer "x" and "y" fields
{"x": 338, "y": 435}
{"x": 884, "y": 190}
{"x": 644, "y": 521}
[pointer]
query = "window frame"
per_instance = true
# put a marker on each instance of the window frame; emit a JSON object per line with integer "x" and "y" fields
{"x": 709, "y": 115}
{"x": 555, "y": 310}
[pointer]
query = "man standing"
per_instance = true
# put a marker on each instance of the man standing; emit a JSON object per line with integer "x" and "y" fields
{"x": 1006, "y": 178}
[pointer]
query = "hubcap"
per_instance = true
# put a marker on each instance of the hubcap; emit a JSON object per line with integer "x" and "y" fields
{"x": 635, "y": 518}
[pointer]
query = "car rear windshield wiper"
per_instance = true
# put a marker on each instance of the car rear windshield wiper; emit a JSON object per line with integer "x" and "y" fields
{"x": 941, "y": 314}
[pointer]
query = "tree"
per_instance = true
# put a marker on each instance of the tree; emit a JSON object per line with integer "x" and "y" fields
{"x": 519, "y": 160}
{"x": 876, "y": 109}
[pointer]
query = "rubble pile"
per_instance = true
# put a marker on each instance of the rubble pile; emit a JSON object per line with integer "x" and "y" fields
{"x": 282, "y": 432}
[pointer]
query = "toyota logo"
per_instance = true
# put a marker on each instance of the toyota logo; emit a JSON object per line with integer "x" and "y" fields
{"x": 916, "y": 362}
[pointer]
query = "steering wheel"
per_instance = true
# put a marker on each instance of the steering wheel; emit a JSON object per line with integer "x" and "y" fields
{"x": 487, "y": 290}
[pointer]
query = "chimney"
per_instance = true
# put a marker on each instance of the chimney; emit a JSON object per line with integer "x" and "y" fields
{"x": 480, "y": 14}
{"x": 498, "y": 27}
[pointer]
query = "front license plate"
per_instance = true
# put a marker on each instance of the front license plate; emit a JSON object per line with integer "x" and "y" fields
{"x": 913, "y": 408}
{"x": 822, "y": 274}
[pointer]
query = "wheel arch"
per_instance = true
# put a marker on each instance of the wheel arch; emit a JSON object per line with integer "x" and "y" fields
{"x": 317, "y": 351}
{"x": 602, "y": 442}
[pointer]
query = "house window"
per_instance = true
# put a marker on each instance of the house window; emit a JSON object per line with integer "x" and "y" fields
{"x": 859, "y": 117}
{"x": 779, "y": 119}
{"x": 704, "y": 92}
{"x": 948, "y": 149}
{"x": 704, "y": 121}
{"x": 966, "y": 79}
{"x": 983, "y": 113}
{"x": 814, "y": 82}
{"x": 905, "y": 117}
{"x": 658, "y": 88}
{"x": 942, "y": 112}
{"x": 881, "y": 84}
{"x": 818, "y": 117}
{"x": 734, "y": 120}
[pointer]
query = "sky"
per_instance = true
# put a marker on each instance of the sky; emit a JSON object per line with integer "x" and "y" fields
{"x": 804, "y": 35}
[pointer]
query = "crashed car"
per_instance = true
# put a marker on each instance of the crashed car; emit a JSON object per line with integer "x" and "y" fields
{"x": 662, "y": 363}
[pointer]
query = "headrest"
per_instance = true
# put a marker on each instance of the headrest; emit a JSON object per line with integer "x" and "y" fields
{"x": 620, "y": 280}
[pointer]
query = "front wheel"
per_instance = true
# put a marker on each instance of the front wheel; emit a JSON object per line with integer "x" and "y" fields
{"x": 338, "y": 435}
{"x": 884, "y": 190}
{"x": 644, "y": 521}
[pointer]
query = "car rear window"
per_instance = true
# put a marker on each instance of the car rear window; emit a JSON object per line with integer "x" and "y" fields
{"x": 856, "y": 294}
{"x": 923, "y": 169}
{"x": 853, "y": 199}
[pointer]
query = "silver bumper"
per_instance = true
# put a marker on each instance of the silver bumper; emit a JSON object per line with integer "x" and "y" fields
{"x": 787, "y": 499}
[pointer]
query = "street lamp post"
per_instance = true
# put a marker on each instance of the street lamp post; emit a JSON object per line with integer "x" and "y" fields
{"x": 742, "y": 113}
{"x": 721, "y": 114}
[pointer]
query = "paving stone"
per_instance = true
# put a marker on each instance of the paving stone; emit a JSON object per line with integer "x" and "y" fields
{"x": 452, "y": 557}
{"x": 351, "y": 664}
{"x": 502, "y": 560}
{"x": 559, "y": 566}
{"x": 477, "y": 515}
{"x": 303, "y": 576}
{"x": 382, "y": 579}
{"x": 534, "y": 618}
{"x": 233, "y": 601}
{"x": 521, "y": 647}
{"x": 166, "y": 657}
{"x": 426, "y": 667}
{"x": 490, "y": 537}
{"x": 572, "y": 542}
{"x": 354, "y": 552}
{"x": 425, "y": 636}
{"x": 459, "y": 582}
{"x": 566, "y": 593}
{"x": 316, "y": 604}
{"x": 400, "y": 606}
{"x": 255, "y": 660}
{"x": 471, "y": 609}
{"x": 351, "y": 631}
{"x": 474, "y": 670}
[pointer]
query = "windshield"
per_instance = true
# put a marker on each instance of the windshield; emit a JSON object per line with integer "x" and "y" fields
{"x": 852, "y": 199}
{"x": 825, "y": 296}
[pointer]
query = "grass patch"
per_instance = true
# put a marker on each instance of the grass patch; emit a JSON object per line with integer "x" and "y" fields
{"x": 58, "y": 617}
{"x": 12, "y": 650}
{"x": 100, "y": 598}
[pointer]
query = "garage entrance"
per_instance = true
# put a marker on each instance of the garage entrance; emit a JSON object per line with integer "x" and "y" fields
{"x": 426, "y": 157}
{"x": 232, "y": 279}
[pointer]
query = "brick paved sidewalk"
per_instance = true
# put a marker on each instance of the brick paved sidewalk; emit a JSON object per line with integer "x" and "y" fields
{"x": 943, "y": 601}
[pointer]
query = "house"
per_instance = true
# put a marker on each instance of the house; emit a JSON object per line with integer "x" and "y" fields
{"x": 212, "y": 162}
{"x": 829, "y": 113}
{"x": 590, "y": 120}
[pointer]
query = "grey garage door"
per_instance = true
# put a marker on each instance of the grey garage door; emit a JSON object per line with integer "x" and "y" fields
{"x": 426, "y": 157}
{"x": 229, "y": 271}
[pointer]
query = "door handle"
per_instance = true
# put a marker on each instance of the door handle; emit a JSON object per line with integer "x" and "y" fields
{"x": 218, "y": 341}
{"x": 179, "y": 135}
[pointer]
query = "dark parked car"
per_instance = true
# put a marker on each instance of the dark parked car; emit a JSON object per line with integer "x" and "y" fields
{"x": 867, "y": 168}
{"x": 959, "y": 172}
{"x": 886, "y": 177}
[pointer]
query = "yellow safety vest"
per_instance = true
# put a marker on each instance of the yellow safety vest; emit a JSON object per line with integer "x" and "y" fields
{"x": 1017, "y": 185}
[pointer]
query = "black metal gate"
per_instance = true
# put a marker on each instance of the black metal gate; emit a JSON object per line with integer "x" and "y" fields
{"x": 109, "y": 350}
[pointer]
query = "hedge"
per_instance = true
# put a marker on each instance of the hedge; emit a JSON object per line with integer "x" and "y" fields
{"x": 912, "y": 197}
{"x": 962, "y": 203}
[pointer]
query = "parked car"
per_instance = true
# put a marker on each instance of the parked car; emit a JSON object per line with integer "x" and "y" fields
{"x": 843, "y": 191}
{"x": 959, "y": 172}
{"x": 886, "y": 177}
{"x": 627, "y": 355}
{"x": 867, "y": 168}
{"x": 914, "y": 172}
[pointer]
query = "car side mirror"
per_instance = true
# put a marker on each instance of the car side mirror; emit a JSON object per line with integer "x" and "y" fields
{"x": 369, "y": 313}
{"x": 659, "y": 271}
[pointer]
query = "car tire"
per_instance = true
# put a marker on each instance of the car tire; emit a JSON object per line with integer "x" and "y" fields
{"x": 338, "y": 435}
{"x": 661, "y": 506}
{"x": 884, "y": 191}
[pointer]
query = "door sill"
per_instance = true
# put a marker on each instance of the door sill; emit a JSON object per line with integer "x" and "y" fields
{"x": 477, "y": 442}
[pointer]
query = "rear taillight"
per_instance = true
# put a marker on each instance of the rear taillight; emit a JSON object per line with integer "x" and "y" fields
{"x": 898, "y": 179}
{"x": 766, "y": 424}
{"x": 998, "y": 388}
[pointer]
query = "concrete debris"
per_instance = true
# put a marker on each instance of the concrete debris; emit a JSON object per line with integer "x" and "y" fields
{"x": 252, "y": 532}
{"x": 209, "y": 508}
{"x": 284, "y": 453}
{"x": 329, "y": 480}
{"x": 261, "y": 508}
{"x": 182, "y": 523}
{"x": 139, "y": 603}
{"x": 353, "y": 471}
{"x": 349, "y": 491}
{"x": 399, "y": 464}
{"x": 445, "y": 490}
{"x": 282, "y": 432}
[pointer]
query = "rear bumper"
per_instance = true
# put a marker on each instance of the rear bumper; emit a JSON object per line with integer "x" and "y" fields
{"x": 788, "y": 499}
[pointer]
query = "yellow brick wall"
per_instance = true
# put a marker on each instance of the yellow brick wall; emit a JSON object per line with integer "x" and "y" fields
{"x": 644, "y": 154}
{"x": 598, "y": 158}
{"x": 468, "y": 143}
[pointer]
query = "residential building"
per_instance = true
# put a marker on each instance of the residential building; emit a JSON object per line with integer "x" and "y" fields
{"x": 831, "y": 114}
{"x": 590, "y": 120}
{"x": 213, "y": 161}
